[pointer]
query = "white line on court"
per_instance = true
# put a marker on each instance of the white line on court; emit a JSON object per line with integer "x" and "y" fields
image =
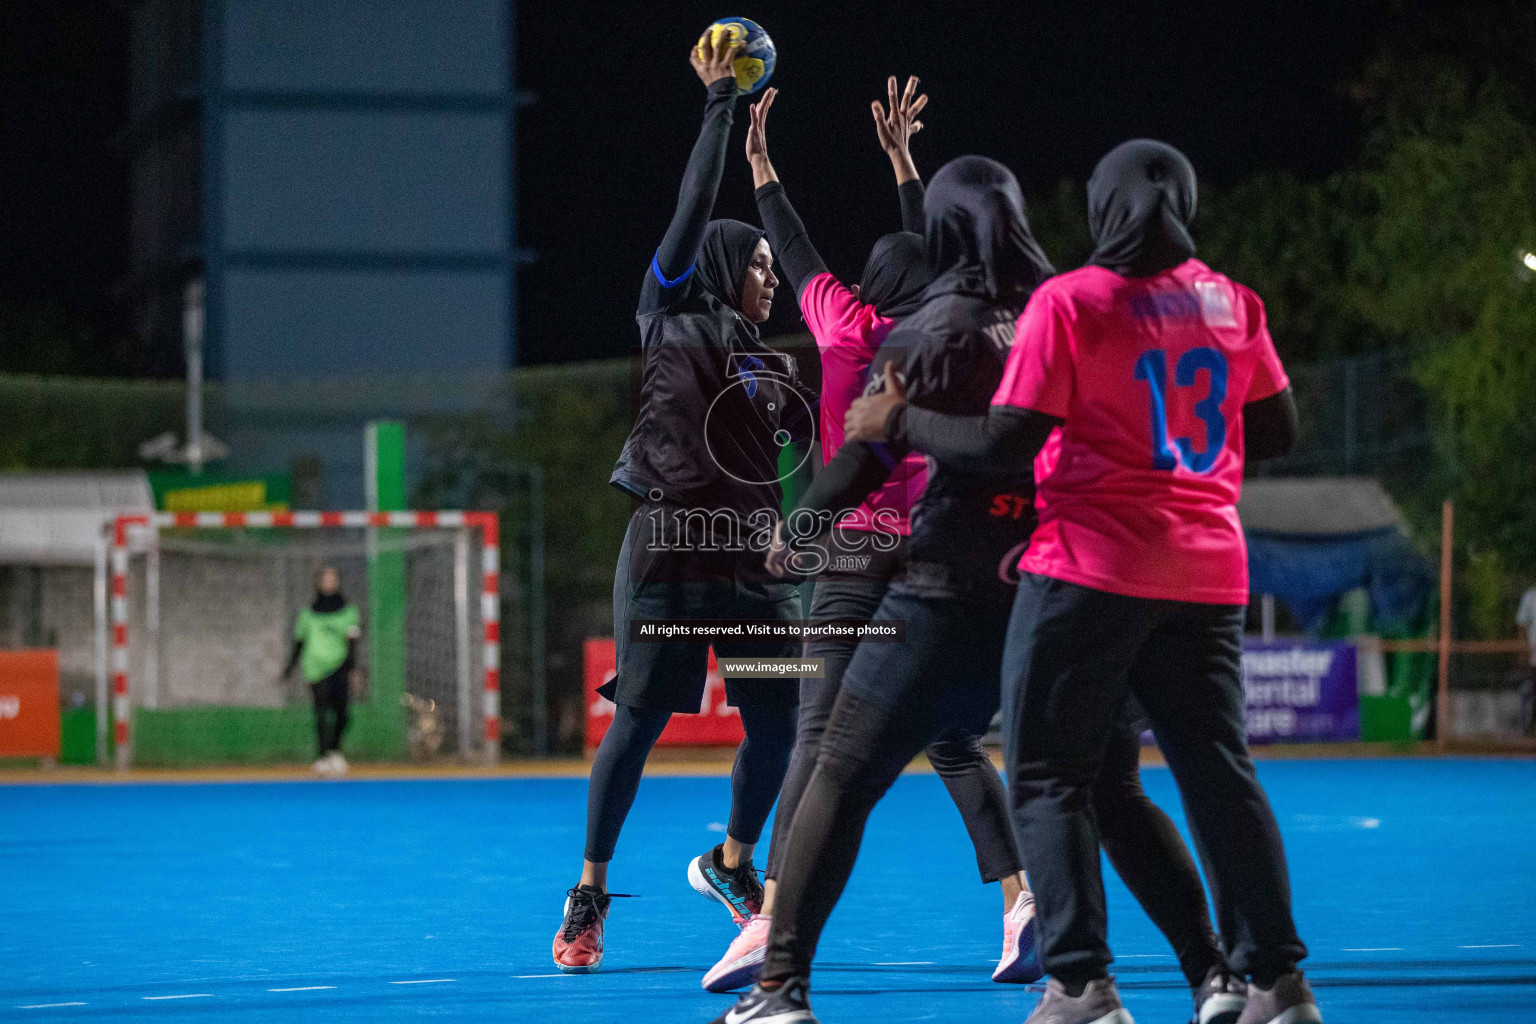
{"x": 1493, "y": 945}
{"x": 562, "y": 974}
{"x": 425, "y": 981}
{"x": 903, "y": 963}
{"x": 302, "y": 988}
{"x": 189, "y": 995}
{"x": 1372, "y": 949}
{"x": 47, "y": 1006}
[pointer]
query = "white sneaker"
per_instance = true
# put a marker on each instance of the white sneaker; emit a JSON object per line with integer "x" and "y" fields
{"x": 338, "y": 763}
{"x": 1020, "y": 963}
{"x": 322, "y": 766}
{"x": 743, "y": 961}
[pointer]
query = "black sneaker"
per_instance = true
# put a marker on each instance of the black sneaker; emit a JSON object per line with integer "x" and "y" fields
{"x": 1220, "y": 998}
{"x": 737, "y": 890}
{"x": 788, "y": 1004}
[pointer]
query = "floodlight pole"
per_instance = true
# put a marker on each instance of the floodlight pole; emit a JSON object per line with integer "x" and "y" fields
{"x": 192, "y": 344}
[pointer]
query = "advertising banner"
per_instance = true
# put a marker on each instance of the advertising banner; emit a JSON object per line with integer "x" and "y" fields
{"x": 716, "y": 725}
{"x": 1301, "y": 691}
{"x": 29, "y": 703}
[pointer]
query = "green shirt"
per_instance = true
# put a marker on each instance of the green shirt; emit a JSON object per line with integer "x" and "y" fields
{"x": 324, "y": 636}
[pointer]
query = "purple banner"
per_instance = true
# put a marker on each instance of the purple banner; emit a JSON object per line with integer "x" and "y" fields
{"x": 1300, "y": 691}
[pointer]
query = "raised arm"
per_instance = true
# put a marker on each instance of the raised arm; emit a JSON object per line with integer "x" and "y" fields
{"x": 895, "y": 128}
{"x": 793, "y": 252}
{"x": 711, "y": 60}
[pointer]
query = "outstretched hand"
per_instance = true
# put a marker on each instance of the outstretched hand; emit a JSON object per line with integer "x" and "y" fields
{"x": 867, "y": 416}
{"x": 757, "y": 129}
{"x": 713, "y": 56}
{"x": 896, "y": 126}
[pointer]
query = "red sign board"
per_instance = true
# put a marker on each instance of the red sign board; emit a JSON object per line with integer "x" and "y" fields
{"x": 716, "y": 725}
{"x": 29, "y": 704}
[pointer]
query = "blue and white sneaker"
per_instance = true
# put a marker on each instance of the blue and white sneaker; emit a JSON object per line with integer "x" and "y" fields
{"x": 737, "y": 889}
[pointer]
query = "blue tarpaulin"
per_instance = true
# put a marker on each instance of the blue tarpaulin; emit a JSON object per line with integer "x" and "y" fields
{"x": 1309, "y": 572}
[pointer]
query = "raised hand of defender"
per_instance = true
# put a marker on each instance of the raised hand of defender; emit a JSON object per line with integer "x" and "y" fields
{"x": 896, "y": 126}
{"x": 757, "y": 128}
{"x": 866, "y": 417}
{"x": 713, "y": 56}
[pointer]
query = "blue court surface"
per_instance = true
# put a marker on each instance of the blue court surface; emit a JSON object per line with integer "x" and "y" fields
{"x": 1415, "y": 887}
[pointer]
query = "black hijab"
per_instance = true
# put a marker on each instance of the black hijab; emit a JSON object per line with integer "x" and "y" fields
{"x": 895, "y": 275}
{"x": 722, "y": 266}
{"x": 978, "y": 239}
{"x": 1141, "y": 200}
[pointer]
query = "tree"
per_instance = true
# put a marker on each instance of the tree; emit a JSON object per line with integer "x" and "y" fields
{"x": 1449, "y": 180}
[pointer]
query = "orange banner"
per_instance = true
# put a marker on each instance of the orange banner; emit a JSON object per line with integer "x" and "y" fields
{"x": 29, "y": 703}
{"x": 716, "y": 725}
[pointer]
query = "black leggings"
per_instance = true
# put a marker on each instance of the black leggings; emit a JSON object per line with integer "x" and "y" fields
{"x": 866, "y": 745}
{"x": 755, "y": 777}
{"x": 331, "y": 696}
{"x": 1073, "y": 655}
{"x": 957, "y": 757}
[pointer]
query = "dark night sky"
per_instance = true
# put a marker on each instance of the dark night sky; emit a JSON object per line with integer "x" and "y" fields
{"x": 1046, "y": 88}
{"x": 63, "y": 178}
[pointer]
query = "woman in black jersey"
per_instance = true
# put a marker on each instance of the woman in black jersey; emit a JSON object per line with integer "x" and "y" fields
{"x": 716, "y": 408}
{"x": 859, "y": 555}
{"x": 897, "y": 698}
{"x": 955, "y": 601}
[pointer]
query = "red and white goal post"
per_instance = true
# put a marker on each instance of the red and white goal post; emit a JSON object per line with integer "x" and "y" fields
{"x": 125, "y": 531}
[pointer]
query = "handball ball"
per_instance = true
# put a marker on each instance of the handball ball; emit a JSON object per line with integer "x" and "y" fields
{"x": 754, "y": 61}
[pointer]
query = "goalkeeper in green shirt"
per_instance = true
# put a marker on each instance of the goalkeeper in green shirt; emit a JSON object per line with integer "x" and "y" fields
{"x": 325, "y": 648}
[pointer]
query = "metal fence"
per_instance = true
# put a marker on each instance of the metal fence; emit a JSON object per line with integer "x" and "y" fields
{"x": 1360, "y": 416}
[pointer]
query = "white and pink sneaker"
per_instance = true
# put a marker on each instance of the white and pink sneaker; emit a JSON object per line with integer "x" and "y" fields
{"x": 743, "y": 961}
{"x": 1021, "y": 944}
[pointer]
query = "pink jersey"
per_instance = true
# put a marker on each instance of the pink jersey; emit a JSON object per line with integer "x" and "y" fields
{"x": 848, "y": 333}
{"x": 1151, "y": 376}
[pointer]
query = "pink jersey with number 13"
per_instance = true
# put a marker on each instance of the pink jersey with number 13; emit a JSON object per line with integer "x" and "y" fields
{"x": 1151, "y": 375}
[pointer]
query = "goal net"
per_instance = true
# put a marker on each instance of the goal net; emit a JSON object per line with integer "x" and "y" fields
{"x": 203, "y": 612}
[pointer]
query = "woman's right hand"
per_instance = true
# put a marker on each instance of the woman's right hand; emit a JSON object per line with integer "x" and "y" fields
{"x": 757, "y": 140}
{"x": 895, "y": 127}
{"x": 757, "y": 130}
{"x": 713, "y": 57}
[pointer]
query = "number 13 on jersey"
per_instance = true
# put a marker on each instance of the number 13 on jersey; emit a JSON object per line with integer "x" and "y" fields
{"x": 1152, "y": 367}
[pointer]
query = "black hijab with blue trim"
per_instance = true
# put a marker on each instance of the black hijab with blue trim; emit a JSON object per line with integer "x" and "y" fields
{"x": 721, "y": 266}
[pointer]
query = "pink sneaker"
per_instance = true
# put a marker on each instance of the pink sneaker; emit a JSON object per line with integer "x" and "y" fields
{"x": 743, "y": 961}
{"x": 1021, "y": 944}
